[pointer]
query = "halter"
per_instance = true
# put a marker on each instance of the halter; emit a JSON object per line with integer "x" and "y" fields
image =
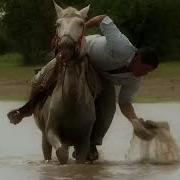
{"x": 78, "y": 44}
{"x": 62, "y": 63}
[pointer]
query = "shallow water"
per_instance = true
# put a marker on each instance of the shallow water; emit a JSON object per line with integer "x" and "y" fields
{"x": 21, "y": 156}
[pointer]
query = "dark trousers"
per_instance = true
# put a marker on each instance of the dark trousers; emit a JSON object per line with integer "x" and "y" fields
{"x": 105, "y": 105}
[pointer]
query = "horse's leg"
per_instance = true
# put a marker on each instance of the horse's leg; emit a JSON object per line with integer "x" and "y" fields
{"x": 46, "y": 147}
{"x": 81, "y": 151}
{"x": 62, "y": 151}
{"x": 63, "y": 154}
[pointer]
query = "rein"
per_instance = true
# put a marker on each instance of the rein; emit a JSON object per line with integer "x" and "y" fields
{"x": 62, "y": 63}
{"x": 57, "y": 40}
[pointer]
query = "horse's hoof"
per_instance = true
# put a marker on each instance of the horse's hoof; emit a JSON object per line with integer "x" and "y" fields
{"x": 62, "y": 155}
{"x": 93, "y": 154}
{"x": 92, "y": 157}
{"x": 47, "y": 161}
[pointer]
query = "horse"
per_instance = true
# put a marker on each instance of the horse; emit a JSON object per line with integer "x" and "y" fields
{"x": 67, "y": 116}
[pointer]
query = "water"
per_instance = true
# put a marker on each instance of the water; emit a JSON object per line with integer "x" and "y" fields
{"x": 160, "y": 150}
{"x": 21, "y": 156}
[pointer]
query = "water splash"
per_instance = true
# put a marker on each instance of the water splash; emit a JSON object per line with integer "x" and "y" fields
{"x": 161, "y": 149}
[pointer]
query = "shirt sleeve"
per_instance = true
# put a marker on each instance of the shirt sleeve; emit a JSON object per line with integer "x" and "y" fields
{"x": 117, "y": 42}
{"x": 127, "y": 92}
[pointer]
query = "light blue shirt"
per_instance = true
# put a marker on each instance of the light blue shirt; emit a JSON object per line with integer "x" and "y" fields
{"x": 111, "y": 51}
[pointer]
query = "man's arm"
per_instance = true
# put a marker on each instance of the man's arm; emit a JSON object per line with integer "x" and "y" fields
{"x": 108, "y": 28}
{"x": 95, "y": 21}
{"x": 127, "y": 110}
{"x": 125, "y": 97}
{"x": 117, "y": 43}
{"x": 137, "y": 123}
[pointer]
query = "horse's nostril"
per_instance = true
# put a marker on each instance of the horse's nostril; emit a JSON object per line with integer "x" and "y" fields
{"x": 67, "y": 42}
{"x": 67, "y": 45}
{"x": 67, "y": 49}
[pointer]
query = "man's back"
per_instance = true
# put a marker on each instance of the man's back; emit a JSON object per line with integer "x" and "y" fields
{"x": 112, "y": 50}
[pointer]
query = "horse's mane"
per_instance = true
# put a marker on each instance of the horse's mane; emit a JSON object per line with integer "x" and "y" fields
{"x": 71, "y": 12}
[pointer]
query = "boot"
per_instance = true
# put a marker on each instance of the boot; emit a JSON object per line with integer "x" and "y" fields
{"x": 38, "y": 94}
{"x": 91, "y": 156}
{"x": 16, "y": 116}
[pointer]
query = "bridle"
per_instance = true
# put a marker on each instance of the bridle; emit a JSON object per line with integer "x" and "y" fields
{"x": 78, "y": 44}
{"x": 61, "y": 62}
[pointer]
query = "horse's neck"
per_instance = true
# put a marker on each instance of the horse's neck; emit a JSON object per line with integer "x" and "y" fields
{"x": 72, "y": 79}
{"x": 84, "y": 49}
{"x": 73, "y": 84}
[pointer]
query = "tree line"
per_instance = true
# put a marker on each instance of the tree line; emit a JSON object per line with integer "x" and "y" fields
{"x": 27, "y": 26}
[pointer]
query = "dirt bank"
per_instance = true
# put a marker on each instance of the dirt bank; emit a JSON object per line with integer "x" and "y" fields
{"x": 152, "y": 89}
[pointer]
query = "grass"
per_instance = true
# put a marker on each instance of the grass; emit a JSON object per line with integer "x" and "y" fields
{"x": 11, "y": 67}
{"x": 161, "y": 85}
{"x": 166, "y": 70}
{"x": 146, "y": 99}
{"x": 12, "y": 72}
{"x": 13, "y": 98}
{"x": 11, "y": 59}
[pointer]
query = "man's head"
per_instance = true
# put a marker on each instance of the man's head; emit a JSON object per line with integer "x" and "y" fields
{"x": 144, "y": 61}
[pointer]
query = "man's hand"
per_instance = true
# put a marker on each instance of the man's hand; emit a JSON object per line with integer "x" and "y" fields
{"x": 141, "y": 131}
{"x": 95, "y": 21}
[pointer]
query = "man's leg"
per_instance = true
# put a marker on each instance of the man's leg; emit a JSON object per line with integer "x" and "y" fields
{"x": 15, "y": 116}
{"x": 42, "y": 85}
{"x": 105, "y": 105}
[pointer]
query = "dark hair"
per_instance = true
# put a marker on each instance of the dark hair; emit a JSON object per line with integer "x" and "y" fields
{"x": 148, "y": 56}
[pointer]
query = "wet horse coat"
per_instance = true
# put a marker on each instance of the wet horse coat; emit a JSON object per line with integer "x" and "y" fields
{"x": 68, "y": 115}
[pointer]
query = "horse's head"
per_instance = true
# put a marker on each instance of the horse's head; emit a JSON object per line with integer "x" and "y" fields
{"x": 70, "y": 30}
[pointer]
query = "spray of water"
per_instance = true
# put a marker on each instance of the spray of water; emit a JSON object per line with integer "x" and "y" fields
{"x": 161, "y": 149}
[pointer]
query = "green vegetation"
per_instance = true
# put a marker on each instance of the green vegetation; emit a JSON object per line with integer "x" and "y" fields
{"x": 162, "y": 85}
{"x": 11, "y": 72}
{"x": 159, "y": 86}
{"x": 11, "y": 59}
{"x": 169, "y": 69}
{"x": 27, "y": 26}
{"x": 11, "y": 67}
{"x": 155, "y": 99}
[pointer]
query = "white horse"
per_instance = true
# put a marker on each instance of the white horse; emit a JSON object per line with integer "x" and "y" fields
{"x": 68, "y": 114}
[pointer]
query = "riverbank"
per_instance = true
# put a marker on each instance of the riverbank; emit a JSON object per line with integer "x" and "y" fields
{"x": 159, "y": 86}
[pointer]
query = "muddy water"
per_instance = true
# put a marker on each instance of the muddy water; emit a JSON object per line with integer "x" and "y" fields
{"x": 21, "y": 157}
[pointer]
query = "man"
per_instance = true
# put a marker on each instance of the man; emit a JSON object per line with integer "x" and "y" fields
{"x": 118, "y": 63}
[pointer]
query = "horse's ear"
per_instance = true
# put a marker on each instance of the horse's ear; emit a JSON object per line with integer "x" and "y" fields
{"x": 58, "y": 9}
{"x": 84, "y": 11}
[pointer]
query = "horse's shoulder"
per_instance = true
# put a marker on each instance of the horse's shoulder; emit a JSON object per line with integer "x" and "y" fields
{"x": 93, "y": 79}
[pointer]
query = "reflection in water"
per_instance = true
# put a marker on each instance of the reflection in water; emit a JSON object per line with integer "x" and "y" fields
{"x": 21, "y": 156}
{"x": 73, "y": 172}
